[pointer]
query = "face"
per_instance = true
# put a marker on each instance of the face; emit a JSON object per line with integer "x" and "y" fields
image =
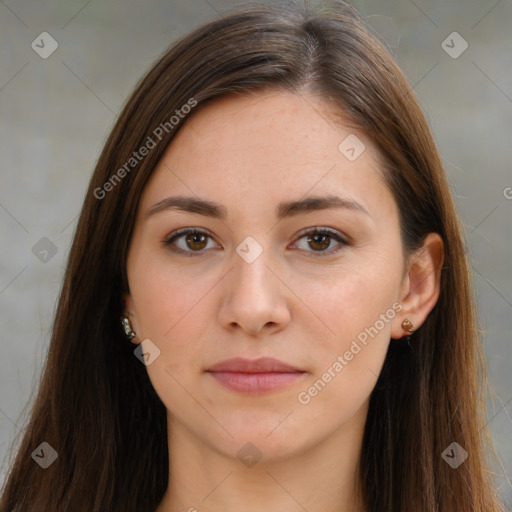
{"x": 313, "y": 285}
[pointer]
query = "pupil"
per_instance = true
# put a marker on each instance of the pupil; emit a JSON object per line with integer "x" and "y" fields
{"x": 196, "y": 239}
{"x": 316, "y": 239}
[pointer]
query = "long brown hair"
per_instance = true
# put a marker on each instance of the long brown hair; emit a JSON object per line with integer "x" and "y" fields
{"x": 96, "y": 406}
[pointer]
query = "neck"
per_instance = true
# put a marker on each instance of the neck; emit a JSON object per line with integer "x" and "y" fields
{"x": 318, "y": 478}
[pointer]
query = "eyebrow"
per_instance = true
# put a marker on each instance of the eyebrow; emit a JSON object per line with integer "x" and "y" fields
{"x": 283, "y": 210}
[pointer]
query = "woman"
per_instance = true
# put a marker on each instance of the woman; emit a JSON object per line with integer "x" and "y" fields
{"x": 271, "y": 222}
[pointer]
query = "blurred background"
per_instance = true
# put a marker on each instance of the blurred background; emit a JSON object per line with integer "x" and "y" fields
{"x": 66, "y": 68}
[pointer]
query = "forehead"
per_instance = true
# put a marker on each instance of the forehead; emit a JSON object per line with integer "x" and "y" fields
{"x": 267, "y": 124}
{"x": 267, "y": 147}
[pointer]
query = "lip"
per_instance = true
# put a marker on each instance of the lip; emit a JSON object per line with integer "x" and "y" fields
{"x": 255, "y": 376}
{"x": 261, "y": 365}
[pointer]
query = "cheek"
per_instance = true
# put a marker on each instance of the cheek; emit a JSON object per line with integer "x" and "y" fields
{"x": 170, "y": 321}
{"x": 358, "y": 307}
{"x": 166, "y": 296}
{"x": 354, "y": 300}
{"x": 168, "y": 304}
{"x": 347, "y": 364}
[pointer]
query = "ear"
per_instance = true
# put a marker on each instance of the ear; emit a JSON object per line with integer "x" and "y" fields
{"x": 127, "y": 304}
{"x": 421, "y": 285}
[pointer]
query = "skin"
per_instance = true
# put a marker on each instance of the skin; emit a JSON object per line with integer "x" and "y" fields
{"x": 249, "y": 153}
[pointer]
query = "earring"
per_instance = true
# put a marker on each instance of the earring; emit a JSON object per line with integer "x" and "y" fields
{"x": 407, "y": 326}
{"x": 127, "y": 326}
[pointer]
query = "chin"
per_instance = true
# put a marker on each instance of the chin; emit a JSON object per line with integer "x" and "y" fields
{"x": 273, "y": 440}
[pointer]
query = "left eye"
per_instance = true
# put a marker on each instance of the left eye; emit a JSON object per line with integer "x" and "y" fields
{"x": 195, "y": 240}
{"x": 322, "y": 238}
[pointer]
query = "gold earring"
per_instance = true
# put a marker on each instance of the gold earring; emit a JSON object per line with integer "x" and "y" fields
{"x": 127, "y": 326}
{"x": 407, "y": 326}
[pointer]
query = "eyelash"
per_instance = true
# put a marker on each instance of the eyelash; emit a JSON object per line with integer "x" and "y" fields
{"x": 311, "y": 232}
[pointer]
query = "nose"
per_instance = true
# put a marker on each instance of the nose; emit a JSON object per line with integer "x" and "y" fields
{"x": 255, "y": 299}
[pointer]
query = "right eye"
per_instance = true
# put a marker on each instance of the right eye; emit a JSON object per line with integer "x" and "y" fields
{"x": 193, "y": 240}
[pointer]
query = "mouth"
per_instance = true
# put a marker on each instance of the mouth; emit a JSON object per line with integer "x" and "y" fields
{"x": 254, "y": 377}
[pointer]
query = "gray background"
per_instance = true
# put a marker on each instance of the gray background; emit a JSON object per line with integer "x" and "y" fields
{"x": 55, "y": 114}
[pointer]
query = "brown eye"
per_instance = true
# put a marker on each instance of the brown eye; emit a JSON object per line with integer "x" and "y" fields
{"x": 188, "y": 241}
{"x": 196, "y": 241}
{"x": 319, "y": 241}
{"x": 193, "y": 242}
